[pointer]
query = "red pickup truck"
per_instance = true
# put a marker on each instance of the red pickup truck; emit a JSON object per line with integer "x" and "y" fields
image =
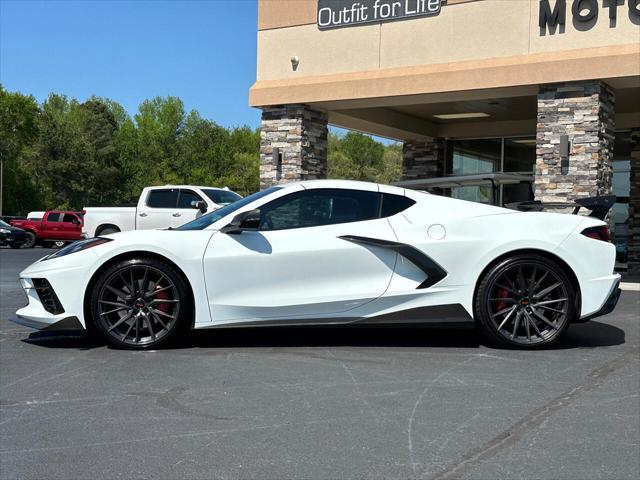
{"x": 54, "y": 229}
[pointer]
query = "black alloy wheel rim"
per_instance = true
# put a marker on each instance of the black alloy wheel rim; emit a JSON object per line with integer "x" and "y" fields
{"x": 528, "y": 304}
{"x": 138, "y": 305}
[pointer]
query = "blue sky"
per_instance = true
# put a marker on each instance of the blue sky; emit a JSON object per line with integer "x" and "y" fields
{"x": 201, "y": 51}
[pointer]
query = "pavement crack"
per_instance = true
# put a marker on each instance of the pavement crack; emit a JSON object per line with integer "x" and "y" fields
{"x": 534, "y": 419}
{"x": 413, "y": 462}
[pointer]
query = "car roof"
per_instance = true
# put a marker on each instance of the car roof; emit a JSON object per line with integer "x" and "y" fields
{"x": 348, "y": 184}
{"x": 224, "y": 189}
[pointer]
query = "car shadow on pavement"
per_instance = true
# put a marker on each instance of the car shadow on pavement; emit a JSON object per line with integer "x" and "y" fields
{"x": 591, "y": 334}
{"x": 588, "y": 335}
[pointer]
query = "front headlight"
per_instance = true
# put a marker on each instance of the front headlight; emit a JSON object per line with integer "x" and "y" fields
{"x": 5, "y": 230}
{"x": 78, "y": 246}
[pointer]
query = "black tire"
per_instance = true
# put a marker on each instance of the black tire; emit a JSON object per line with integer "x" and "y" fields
{"x": 46, "y": 244}
{"x": 526, "y": 301}
{"x": 15, "y": 245}
{"x": 128, "y": 309}
{"x": 108, "y": 231}
{"x": 30, "y": 242}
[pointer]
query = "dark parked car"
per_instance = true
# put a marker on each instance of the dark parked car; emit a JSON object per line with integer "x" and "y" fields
{"x": 12, "y": 236}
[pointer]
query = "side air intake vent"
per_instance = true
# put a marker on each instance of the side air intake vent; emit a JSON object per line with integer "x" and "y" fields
{"x": 47, "y": 296}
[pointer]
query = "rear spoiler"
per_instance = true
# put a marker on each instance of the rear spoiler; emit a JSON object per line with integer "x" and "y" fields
{"x": 599, "y": 206}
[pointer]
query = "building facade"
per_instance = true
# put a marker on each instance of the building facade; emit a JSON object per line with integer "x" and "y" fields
{"x": 545, "y": 87}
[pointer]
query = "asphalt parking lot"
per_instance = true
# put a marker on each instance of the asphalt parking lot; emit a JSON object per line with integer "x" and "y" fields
{"x": 319, "y": 403}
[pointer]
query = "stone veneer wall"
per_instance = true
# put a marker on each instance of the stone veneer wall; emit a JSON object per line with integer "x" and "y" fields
{"x": 301, "y": 134}
{"x": 585, "y": 112}
{"x": 634, "y": 205}
{"x": 423, "y": 159}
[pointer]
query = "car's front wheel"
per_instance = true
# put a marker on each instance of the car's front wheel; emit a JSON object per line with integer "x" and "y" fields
{"x": 30, "y": 241}
{"x": 526, "y": 301}
{"x": 139, "y": 303}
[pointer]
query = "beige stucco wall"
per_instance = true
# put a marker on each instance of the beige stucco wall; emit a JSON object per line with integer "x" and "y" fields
{"x": 487, "y": 29}
{"x": 318, "y": 54}
{"x": 471, "y": 30}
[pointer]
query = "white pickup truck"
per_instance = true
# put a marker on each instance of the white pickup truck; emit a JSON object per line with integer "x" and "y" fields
{"x": 158, "y": 207}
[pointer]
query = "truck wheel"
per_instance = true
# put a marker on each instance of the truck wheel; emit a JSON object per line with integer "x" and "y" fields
{"x": 30, "y": 241}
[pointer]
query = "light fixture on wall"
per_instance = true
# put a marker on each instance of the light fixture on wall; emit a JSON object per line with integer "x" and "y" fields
{"x": 277, "y": 162}
{"x": 461, "y": 116}
{"x": 295, "y": 61}
{"x": 565, "y": 151}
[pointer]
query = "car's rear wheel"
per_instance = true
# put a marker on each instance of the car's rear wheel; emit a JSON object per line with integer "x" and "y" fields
{"x": 526, "y": 301}
{"x": 139, "y": 303}
{"x": 108, "y": 231}
{"x": 15, "y": 245}
{"x": 30, "y": 241}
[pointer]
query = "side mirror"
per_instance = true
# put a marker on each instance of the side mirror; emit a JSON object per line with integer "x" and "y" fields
{"x": 200, "y": 205}
{"x": 245, "y": 221}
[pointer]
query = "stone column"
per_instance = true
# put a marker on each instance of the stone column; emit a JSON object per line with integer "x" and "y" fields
{"x": 584, "y": 111}
{"x": 300, "y": 133}
{"x": 634, "y": 205}
{"x": 423, "y": 159}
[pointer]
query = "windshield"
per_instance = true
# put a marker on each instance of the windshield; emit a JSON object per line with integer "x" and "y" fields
{"x": 221, "y": 197}
{"x": 4, "y": 224}
{"x": 206, "y": 220}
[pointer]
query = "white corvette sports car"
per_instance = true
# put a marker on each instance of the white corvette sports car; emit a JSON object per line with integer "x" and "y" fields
{"x": 332, "y": 252}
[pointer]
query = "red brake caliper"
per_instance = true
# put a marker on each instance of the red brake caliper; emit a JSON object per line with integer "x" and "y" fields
{"x": 501, "y": 294}
{"x": 162, "y": 306}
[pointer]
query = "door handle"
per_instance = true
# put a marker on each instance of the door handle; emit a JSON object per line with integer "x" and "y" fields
{"x": 142, "y": 214}
{"x": 177, "y": 214}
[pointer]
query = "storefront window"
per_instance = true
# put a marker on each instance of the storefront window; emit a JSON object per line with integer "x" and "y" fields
{"x": 489, "y": 155}
{"x": 619, "y": 219}
{"x": 519, "y": 155}
{"x": 470, "y": 157}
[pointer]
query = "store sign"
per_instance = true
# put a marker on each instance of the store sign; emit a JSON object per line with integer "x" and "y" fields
{"x": 553, "y": 15}
{"x": 347, "y": 13}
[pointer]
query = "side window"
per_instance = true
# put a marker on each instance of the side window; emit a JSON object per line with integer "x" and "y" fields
{"x": 186, "y": 197}
{"x": 312, "y": 208}
{"x": 68, "y": 218}
{"x": 53, "y": 217}
{"x": 166, "y": 198}
{"x": 393, "y": 204}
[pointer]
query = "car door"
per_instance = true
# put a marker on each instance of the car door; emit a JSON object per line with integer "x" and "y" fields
{"x": 299, "y": 265}
{"x": 51, "y": 225}
{"x": 71, "y": 227}
{"x": 157, "y": 209}
{"x": 184, "y": 212}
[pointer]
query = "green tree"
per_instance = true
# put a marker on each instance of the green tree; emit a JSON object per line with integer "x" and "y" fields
{"x": 159, "y": 123}
{"x": 356, "y": 156}
{"x": 18, "y": 129}
{"x": 74, "y": 158}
